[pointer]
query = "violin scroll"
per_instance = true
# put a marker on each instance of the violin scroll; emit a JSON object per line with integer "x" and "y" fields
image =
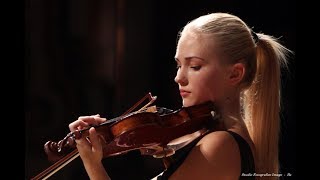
{"x": 56, "y": 150}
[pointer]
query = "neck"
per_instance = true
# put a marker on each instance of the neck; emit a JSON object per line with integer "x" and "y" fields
{"x": 230, "y": 111}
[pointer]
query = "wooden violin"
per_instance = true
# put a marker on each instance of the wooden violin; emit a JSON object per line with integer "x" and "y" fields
{"x": 154, "y": 131}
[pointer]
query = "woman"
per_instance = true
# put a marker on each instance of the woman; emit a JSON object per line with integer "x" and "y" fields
{"x": 220, "y": 59}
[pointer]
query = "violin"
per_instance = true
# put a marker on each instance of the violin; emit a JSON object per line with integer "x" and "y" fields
{"x": 155, "y": 131}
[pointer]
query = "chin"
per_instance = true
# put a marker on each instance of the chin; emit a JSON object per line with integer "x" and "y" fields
{"x": 189, "y": 102}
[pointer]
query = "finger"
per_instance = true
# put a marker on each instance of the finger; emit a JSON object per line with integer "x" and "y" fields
{"x": 88, "y": 119}
{"x": 77, "y": 125}
{"x": 83, "y": 143}
{"x": 94, "y": 139}
{"x": 82, "y": 122}
{"x": 92, "y": 120}
{"x": 99, "y": 120}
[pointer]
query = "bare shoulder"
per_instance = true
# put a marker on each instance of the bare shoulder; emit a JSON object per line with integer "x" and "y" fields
{"x": 218, "y": 143}
{"x": 216, "y": 156}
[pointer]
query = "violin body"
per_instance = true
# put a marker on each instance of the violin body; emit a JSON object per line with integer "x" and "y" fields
{"x": 153, "y": 134}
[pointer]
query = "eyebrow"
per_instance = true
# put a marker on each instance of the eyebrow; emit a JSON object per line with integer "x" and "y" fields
{"x": 189, "y": 58}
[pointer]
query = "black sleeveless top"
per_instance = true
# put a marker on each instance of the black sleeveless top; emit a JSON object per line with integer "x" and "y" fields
{"x": 247, "y": 161}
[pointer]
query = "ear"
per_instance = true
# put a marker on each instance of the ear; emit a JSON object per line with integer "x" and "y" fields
{"x": 236, "y": 74}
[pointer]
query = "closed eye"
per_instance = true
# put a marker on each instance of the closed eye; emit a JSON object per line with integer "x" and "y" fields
{"x": 196, "y": 68}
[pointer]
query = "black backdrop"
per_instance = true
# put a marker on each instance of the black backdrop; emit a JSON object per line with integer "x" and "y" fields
{"x": 88, "y": 57}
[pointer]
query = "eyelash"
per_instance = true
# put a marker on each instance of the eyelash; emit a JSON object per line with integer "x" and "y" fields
{"x": 196, "y": 68}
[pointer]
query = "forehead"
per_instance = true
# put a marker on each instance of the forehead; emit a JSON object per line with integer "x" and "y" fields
{"x": 196, "y": 44}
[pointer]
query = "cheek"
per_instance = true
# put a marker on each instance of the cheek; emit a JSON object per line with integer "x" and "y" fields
{"x": 209, "y": 85}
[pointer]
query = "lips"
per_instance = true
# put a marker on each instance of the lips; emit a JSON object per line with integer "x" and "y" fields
{"x": 184, "y": 93}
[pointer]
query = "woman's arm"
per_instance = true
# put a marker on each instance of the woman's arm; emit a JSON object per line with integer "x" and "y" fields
{"x": 90, "y": 150}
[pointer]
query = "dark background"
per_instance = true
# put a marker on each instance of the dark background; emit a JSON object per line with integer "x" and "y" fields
{"x": 85, "y": 57}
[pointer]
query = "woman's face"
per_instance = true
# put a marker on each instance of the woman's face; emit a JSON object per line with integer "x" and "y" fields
{"x": 200, "y": 76}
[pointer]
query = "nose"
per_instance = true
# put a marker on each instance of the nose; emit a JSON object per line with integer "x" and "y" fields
{"x": 181, "y": 78}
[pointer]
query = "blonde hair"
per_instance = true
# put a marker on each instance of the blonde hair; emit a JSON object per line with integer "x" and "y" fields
{"x": 262, "y": 56}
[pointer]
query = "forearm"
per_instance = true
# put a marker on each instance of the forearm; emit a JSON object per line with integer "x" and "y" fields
{"x": 96, "y": 171}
